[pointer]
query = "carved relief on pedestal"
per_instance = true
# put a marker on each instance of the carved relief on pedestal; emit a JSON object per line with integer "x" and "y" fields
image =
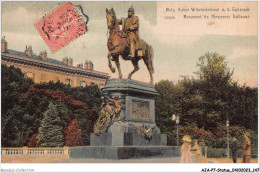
{"x": 140, "y": 109}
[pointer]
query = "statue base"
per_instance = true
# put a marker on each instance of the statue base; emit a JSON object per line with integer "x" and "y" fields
{"x": 125, "y": 152}
{"x": 128, "y": 134}
{"x": 134, "y": 134}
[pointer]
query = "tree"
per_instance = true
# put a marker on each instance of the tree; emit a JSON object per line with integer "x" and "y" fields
{"x": 86, "y": 112}
{"x": 213, "y": 68}
{"x": 13, "y": 82}
{"x": 164, "y": 104}
{"x": 14, "y": 131}
{"x": 190, "y": 103}
{"x": 91, "y": 96}
{"x": 50, "y": 131}
{"x": 33, "y": 141}
{"x": 24, "y": 104}
{"x": 215, "y": 79}
{"x": 73, "y": 134}
{"x": 204, "y": 104}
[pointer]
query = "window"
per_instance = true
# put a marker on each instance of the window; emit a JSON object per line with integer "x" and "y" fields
{"x": 43, "y": 77}
{"x": 101, "y": 86}
{"x": 68, "y": 81}
{"x": 30, "y": 75}
{"x": 57, "y": 79}
{"x": 82, "y": 83}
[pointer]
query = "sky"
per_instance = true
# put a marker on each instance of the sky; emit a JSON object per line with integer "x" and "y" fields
{"x": 177, "y": 43}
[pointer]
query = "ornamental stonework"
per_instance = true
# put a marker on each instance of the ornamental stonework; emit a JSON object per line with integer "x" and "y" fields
{"x": 140, "y": 109}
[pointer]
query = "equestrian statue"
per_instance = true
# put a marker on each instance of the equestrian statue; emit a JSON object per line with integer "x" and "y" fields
{"x": 126, "y": 43}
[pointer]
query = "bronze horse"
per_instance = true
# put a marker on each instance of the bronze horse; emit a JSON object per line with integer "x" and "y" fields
{"x": 117, "y": 46}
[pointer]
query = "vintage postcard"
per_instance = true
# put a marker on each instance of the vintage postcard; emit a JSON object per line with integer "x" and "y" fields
{"x": 129, "y": 82}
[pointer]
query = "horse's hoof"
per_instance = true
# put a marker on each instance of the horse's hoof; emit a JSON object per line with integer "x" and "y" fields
{"x": 113, "y": 70}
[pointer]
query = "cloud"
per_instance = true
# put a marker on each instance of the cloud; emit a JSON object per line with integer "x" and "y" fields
{"x": 240, "y": 52}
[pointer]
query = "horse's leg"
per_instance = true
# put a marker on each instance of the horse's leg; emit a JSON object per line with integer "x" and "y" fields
{"x": 136, "y": 67}
{"x": 113, "y": 53}
{"x": 109, "y": 62}
{"x": 149, "y": 67}
{"x": 116, "y": 58}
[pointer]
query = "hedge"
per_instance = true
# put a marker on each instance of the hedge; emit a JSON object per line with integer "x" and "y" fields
{"x": 222, "y": 152}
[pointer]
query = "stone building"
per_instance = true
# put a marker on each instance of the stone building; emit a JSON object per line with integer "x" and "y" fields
{"x": 43, "y": 69}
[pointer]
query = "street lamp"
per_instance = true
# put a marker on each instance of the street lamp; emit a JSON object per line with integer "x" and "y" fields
{"x": 227, "y": 124}
{"x": 177, "y": 122}
{"x": 177, "y": 119}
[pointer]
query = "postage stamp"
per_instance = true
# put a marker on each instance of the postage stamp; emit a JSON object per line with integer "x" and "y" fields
{"x": 61, "y": 26}
{"x": 140, "y": 82}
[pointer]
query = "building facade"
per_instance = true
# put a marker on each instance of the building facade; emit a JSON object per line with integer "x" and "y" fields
{"x": 43, "y": 69}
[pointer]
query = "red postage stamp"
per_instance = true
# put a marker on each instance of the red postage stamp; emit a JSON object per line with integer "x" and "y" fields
{"x": 61, "y": 26}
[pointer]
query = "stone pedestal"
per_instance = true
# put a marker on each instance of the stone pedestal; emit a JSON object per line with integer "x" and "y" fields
{"x": 127, "y": 152}
{"x": 123, "y": 138}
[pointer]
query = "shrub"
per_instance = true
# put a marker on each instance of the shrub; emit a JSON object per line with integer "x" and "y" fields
{"x": 33, "y": 141}
{"x": 216, "y": 152}
{"x": 73, "y": 134}
{"x": 197, "y": 133}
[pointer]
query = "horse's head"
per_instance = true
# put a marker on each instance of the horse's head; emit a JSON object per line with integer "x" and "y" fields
{"x": 111, "y": 18}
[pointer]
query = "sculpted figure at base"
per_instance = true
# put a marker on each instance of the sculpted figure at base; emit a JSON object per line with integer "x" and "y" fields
{"x": 145, "y": 130}
{"x": 110, "y": 112}
{"x": 126, "y": 43}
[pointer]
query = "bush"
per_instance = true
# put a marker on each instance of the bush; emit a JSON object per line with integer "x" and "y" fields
{"x": 216, "y": 152}
{"x": 196, "y": 133}
{"x": 172, "y": 139}
{"x": 73, "y": 134}
{"x": 254, "y": 151}
{"x": 33, "y": 141}
{"x": 222, "y": 152}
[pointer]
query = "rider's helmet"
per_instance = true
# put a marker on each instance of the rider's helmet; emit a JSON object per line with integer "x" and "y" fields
{"x": 131, "y": 9}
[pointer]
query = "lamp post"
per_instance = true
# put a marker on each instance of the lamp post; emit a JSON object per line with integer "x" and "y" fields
{"x": 177, "y": 119}
{"x": 227, "y": 124}
{"x": 177, "y": 122}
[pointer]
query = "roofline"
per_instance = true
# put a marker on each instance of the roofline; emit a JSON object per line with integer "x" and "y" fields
{"x": 41, "y": 63}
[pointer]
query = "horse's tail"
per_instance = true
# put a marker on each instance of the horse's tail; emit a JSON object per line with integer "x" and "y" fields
{"x": 150, "y": 56}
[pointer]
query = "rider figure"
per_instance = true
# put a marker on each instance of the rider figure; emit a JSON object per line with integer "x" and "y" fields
{"x": 130, "y": 25}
